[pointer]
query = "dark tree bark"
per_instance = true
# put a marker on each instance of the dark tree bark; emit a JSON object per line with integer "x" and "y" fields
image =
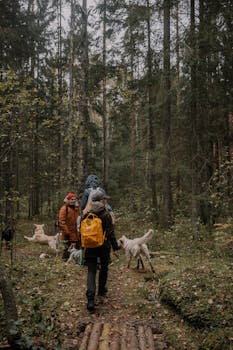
{"x": 84, "y": 97}
{"x": 194, "y": 123}
{"x": 151, "y": 121}
{"x": 205, "y": 75}
{"x": 35, "y": 171}
{"x": 105, "y": 114}
{"x": 10, "y": 309}
{"x": 71, "y": 96}
{"x": 132, "y": 112}
{"x": 60, "y": 95}
{"x": 167, "y": 196}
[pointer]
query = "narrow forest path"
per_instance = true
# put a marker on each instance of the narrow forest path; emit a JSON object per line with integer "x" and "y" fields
{"x": 124, "y": 320}
{"x": 51, "y": 301}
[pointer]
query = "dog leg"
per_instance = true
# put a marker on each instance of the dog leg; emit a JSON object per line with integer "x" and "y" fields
{"x": 129, "y": 261}
{"x": 139, "y": 260}
{"x": 147, "y": 254}
{"x": 140, "y": 257}
{"x": 151, "y": 266}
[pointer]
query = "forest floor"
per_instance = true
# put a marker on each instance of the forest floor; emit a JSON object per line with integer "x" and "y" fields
{"x": 51, "y": 302}
{"x": 51, "y": 296}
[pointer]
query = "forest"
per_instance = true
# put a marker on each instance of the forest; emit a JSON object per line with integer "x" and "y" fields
{"x": 139, "y": 92}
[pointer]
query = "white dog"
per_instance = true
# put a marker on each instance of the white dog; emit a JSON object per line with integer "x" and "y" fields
{"x": 43, "y": 239}
{"x": 75, "y": 255}
{"x": 135, "y": 248}
{"x": 43, "y": 256}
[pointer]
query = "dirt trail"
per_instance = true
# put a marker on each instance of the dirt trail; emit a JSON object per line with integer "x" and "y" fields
{"x": 127, "y": 319}
{"x": 124, "y": 320}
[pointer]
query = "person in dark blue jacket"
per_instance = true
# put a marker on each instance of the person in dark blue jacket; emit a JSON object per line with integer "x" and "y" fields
{"x": 92, "y": 182}
{"x": 92, "y": 185}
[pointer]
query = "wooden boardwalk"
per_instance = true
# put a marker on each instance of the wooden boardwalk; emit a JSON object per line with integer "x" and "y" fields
{"x": 135, "y": 335}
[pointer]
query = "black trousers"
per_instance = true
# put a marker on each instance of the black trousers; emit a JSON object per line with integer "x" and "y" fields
{"x": 91, "y": 263}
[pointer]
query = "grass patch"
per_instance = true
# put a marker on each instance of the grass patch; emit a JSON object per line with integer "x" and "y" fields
{"x": 200, "y": 291}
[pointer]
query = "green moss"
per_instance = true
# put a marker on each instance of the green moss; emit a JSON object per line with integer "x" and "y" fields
{"x": 202, "y": 294}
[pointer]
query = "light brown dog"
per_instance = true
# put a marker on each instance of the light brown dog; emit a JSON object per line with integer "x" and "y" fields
{"x": 43, "y": 239}
{"x": 135, "y": 248}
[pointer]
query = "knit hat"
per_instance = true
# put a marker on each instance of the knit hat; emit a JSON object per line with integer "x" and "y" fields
{"x": 71, "y": 195}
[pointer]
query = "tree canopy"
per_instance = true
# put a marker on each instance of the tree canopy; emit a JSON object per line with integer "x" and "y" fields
{"x": 138, "y": 92}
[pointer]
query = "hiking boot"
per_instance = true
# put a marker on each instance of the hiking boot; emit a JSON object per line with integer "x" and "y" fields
{"x": 91, "y": 305}
{"x": 103, "y": 292}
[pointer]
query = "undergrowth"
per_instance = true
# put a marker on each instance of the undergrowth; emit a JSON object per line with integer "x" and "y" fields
{"x": 191, "y": 290}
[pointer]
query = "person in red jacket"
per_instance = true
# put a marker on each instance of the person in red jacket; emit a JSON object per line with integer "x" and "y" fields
{"x": 68, "y": 223}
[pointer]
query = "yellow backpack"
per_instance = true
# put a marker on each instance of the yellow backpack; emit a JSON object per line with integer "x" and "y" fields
{"x": 92, "y": 235}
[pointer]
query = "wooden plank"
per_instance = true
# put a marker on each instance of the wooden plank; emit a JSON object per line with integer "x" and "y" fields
{"x": 86, "y": 337}
{"x": 115, "y": 338}
{"x": 94, "y": 336}
{"x": 141, "y": 338}
{"x": 123, "y": 339}
{"x": 105, "y": 337}
{"x": 133, "y": 340}
{"x": 149, "y": 339}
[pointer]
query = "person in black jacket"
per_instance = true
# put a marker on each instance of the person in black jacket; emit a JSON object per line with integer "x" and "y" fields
{"x": 102, "y": 253}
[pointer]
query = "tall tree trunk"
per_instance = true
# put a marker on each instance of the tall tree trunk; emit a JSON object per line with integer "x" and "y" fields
{"x": 35, "y": 171}
{"x": 133, "y": 123}
{"x": 151, "y": 122}
{"x": 205, "y": 167}
{"x": 9, "y": 186}
{"x": 59, "y": 107}
{"x": 84, "y": 95}
{"x": 71, "y": 97}
{"x": 34, "y": 193}
{"x": 193, "y": 116}
{"x": 34, "y": 205}
{"x": 230, "y": 157}
{"x": 105, "y": 114}
{"x": 177, "y": 58}
{"x": 167, "y": 196}
{"x": 178, "y": 102}
{"x": 36, "y": 187}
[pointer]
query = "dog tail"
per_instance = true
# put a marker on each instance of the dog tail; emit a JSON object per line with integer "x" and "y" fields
{"x": 147, "y": 236}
